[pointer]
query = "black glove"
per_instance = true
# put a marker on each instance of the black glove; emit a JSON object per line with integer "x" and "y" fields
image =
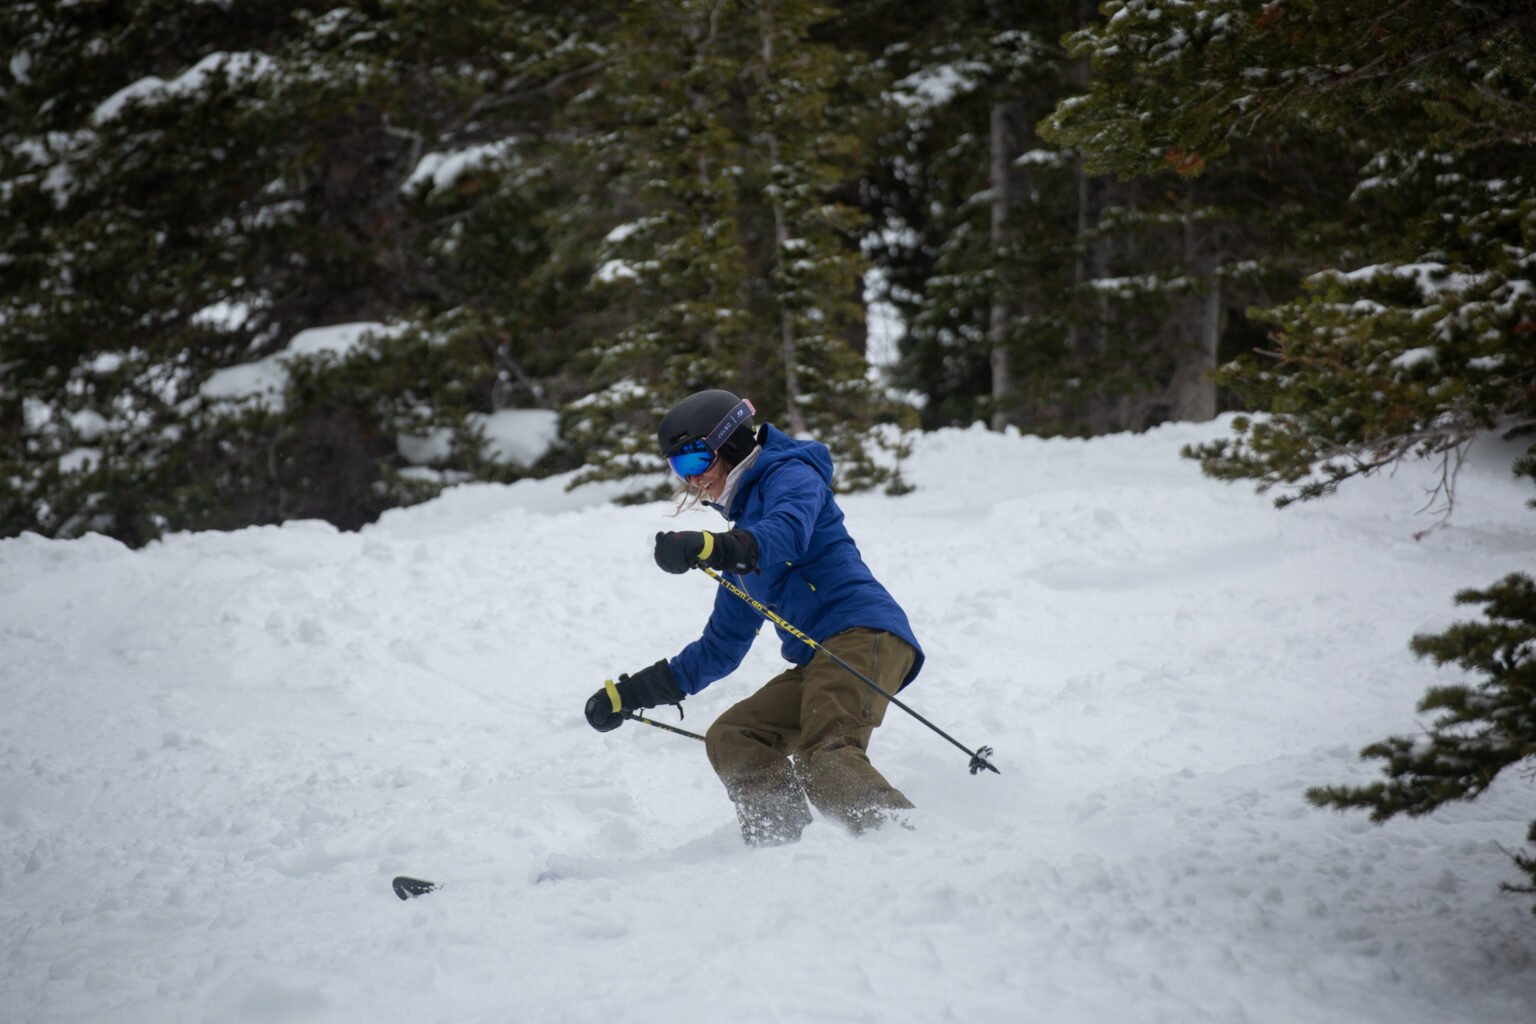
{"x": 645, "y": 689}
{"x": 679, "y": 552}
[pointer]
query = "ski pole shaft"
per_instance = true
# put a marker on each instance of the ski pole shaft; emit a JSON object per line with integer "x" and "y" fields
{"x": 635, "y": 716}
{"x": 978, "y": 756}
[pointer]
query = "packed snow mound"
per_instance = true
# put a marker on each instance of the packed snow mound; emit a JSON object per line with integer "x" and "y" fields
{"x": 218, "y": 750}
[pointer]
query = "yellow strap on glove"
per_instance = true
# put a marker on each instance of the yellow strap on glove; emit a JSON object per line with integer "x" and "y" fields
{"x": 708, "y": 548}
{"x": 613, "y": 695}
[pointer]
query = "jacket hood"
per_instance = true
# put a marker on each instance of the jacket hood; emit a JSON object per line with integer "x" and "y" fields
{"x": 777, "y": 448}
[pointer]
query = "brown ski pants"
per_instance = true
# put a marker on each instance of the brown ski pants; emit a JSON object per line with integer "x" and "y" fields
{"x": 805, "y": 734}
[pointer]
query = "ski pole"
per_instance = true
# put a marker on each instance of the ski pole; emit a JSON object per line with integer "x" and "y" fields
{"x": 978, "y": 756}
{"x": 635, "y": 716}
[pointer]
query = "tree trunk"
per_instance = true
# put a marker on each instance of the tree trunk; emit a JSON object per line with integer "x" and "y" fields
{"x": 1086, "y": 338}
{"x": 787, "y": 348}
{"x": 997, "y": 321}
{"x": 703, "y": 37}
{"x": 1192, "y": 392}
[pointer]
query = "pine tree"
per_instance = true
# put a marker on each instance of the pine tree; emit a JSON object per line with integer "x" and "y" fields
{"x": 975, "y": 223}
{"x": 667, "y": 143}
{"x": 1411, "y": 338}
{"x": 811, "y": 138}
{"x": 1038, "y": 290}
{"x": 725, "y": 135}
{"x": 1196, "y": 240}
{"x": 186, "y": 188}
{"x": 1413, "y": 354}
{"x": 1478, "y": 731}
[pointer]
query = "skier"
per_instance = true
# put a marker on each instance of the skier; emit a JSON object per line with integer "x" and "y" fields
{"x": 805, "y": 732}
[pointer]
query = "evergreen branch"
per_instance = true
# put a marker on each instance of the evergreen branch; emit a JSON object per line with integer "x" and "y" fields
{"x": 1479, "y": 732}
{"x": 1422, "y": 57}
{"x": 517, "y": 94}
{"x": 1451, "y": 461}
{"x": 1503, "y": 99}
{"x": 549, "y": 86}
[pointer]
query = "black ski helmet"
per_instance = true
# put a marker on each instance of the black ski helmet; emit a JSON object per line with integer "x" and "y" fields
{"x": 695, "y": 416}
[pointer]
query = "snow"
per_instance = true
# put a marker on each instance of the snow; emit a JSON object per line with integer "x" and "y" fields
{"x": 88, "y": 424}
{"x": 35, "y": 414}
{"x": 223, "y": 315}
{"x": 217, "y": 751}
{"x": 1416, "y": 357}
{"x": 932, "y": 87}
{"x": 624, "y": 232}
{"x": 425, "y": 449}
{"x": 79, "y": 460}
{"x": 1433, "y": 280}
{"x": 261, "y": 382}
{"x": 106, "y": 362}
{"x": 884, "y": 322}
{"x": 519, "y": 436}
{"x": 337, "y": 339}
{"x": 443, "y": 170}
{"x": 1043, "y": 158}
{"x": 615, "y": 270}
{"x": 238, "y": 67}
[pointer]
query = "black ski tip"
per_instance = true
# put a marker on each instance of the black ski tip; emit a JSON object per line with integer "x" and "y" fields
{"x": 405, "y": 887}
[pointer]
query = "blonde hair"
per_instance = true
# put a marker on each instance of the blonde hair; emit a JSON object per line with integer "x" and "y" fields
{"x": 688, "y": 497}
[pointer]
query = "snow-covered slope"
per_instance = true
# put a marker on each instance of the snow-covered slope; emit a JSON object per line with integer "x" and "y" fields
{"x": 215, "y": 752}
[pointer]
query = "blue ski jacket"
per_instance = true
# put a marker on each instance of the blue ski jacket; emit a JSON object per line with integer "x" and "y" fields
{"x": 809, "y": 571}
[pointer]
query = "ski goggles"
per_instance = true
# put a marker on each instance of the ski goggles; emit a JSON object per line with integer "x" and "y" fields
{"x": 696, "y": 456}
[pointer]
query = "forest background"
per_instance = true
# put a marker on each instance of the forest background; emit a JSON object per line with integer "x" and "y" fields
{"x": 556, "y": 219}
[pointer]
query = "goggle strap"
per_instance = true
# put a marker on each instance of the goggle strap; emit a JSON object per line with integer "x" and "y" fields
{"x": 733, "y": 419}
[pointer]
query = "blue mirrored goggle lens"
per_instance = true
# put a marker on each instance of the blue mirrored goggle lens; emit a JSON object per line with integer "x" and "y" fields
{"x": 691, "y": 459}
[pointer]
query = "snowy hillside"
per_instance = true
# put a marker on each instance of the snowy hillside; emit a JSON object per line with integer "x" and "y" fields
{"x": 216, "y": 752}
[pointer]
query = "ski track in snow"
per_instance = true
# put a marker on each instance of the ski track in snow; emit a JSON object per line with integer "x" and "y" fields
{"x": 217, "y": 751}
